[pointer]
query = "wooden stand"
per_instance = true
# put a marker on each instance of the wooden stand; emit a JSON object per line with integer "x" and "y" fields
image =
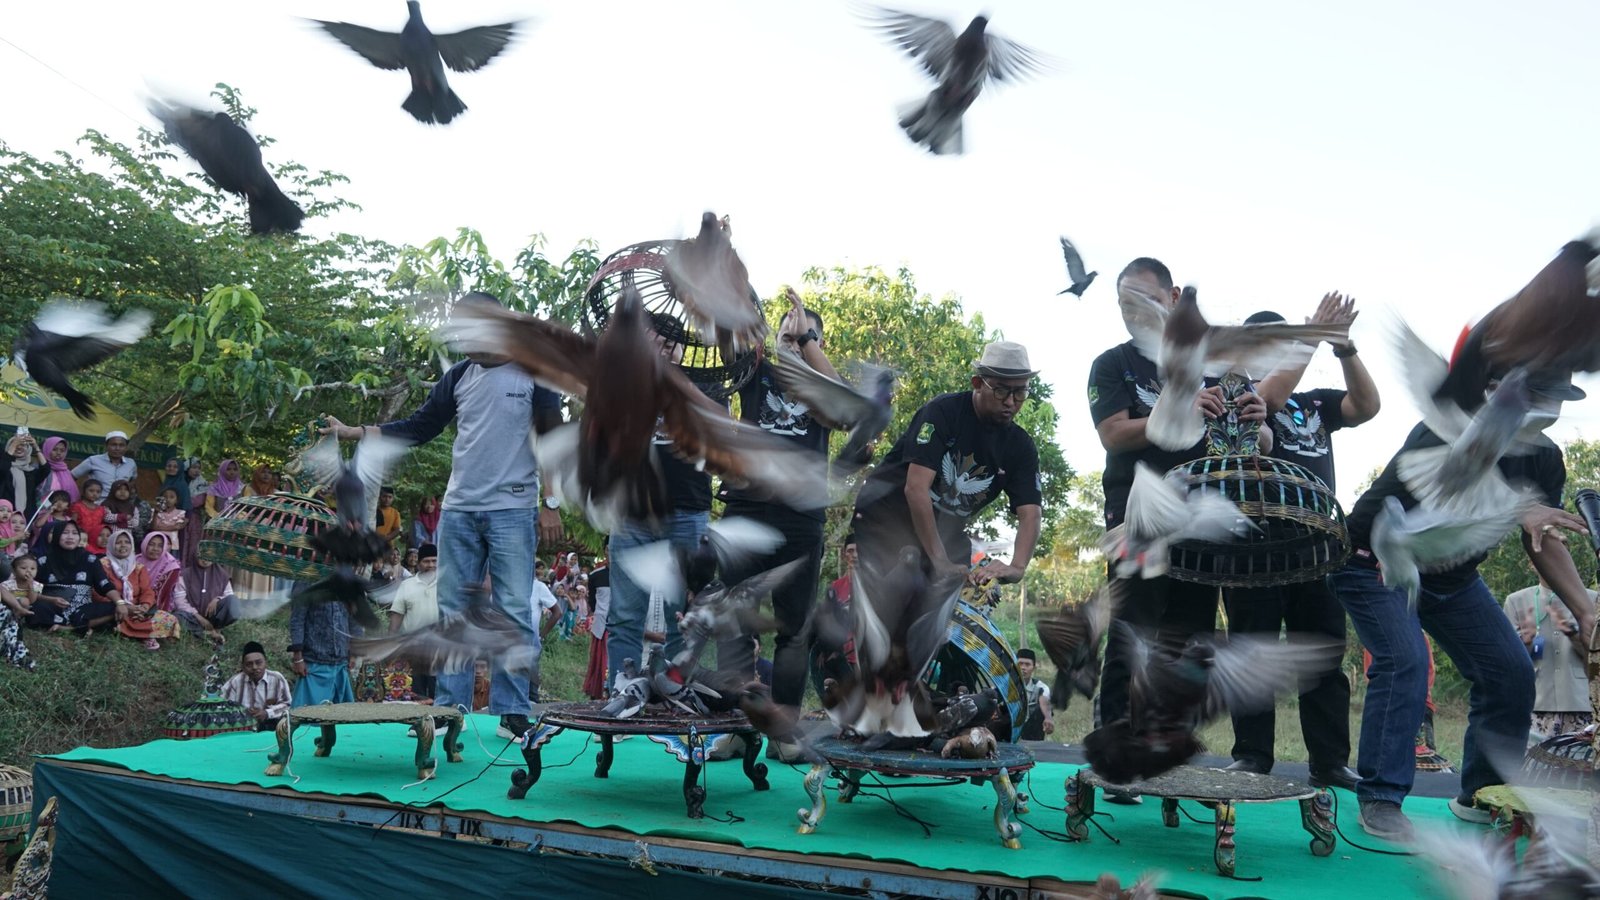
{"x": 331, "y": 715}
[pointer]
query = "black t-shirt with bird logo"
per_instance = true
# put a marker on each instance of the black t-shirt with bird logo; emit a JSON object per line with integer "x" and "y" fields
{"x": 1123, "y": 380}
{"x": 1302, "y": 430}
{"x": 763, "y": 404}
{"x": 973, "y": 463}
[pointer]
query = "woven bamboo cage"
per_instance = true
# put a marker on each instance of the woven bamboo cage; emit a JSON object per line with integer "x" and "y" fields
{"x": 1299, "y": 532}
{"x": 16, "y": 802}
{"x": 643, "y": 265}
{"x": 978, "y": 655}
{"x": 1563, "y": 761}
{"x": 211, "y": 714}
{"x": 271, "y": 536}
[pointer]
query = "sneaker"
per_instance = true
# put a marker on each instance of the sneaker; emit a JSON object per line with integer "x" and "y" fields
{"x": 513, "y": 727}
{"x": 1122, "y": 798}
{"x": 1383, "y": 819}
{"x": 1467, "y": 810}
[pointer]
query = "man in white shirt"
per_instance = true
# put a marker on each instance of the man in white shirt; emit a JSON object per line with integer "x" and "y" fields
{"x": 416, "y": 606}
{"x": 261, "y": 691}
{"x": 544, "y": 603}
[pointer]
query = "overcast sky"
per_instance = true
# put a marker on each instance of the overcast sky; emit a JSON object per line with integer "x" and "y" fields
{"x": 1426, "y": 156}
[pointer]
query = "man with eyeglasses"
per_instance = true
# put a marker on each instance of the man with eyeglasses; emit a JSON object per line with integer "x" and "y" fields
{"x": 959, "y": 454}
{"x": 1302, "y": 424}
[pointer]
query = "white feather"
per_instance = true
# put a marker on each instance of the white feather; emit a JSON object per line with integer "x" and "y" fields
{"x": 1424, "y": 370}
{"x": 1175, "y": 423}
{"x": 71, "y": 318}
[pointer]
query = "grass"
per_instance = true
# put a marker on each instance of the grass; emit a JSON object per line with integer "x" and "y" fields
{"x": 106, "y": 690}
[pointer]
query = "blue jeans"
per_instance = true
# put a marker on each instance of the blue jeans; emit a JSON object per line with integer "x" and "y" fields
{"x": 630, "y": 602}
{"x": 499, "y": 543}
{"x": 1473, "y": 630}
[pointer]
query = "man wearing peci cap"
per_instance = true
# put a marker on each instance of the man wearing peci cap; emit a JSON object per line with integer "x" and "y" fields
{"x": 960, "y": 452}
{"x": 1456, "y": 608}
{"x": 109, "y": 467}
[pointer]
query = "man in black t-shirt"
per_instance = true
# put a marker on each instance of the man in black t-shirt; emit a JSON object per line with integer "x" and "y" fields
{"x": 1456, "y": 608}
{"x": 960, "y": 452}
{"x": 1302, "y": 425}
{"x": 1123, "y": 387}
{"x": 763, "y": 403}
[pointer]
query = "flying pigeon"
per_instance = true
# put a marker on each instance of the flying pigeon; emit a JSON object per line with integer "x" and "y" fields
{"x": 1161, "y": 512}
{"x": 862, "y": 414}
{"x": 1170, "y": 699}
{"x": 1424, "y": 539}
{"x": 711, "y": 282}
{"x": 961, "y": 64}
{"x": 231, "y": 158}
{"x": 68, "y": 337}
{"x": 1188, "y": 348}
{"x": 1551, "y": 324}
{"x": 720, "y": 613}
{"x": 1450, "y": 474}
{"x": 424, "y": 55}
{"x": 353, "y": 541}
{"x": 1071, "y": 638}
{"x": 631, "y": 391}
{"x": 1075, "y": 270}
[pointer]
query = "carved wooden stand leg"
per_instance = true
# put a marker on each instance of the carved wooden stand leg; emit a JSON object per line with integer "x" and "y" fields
{"x": 1169, "y": 812}
{"x": 694, "y": 796}
{"x": 280, "y": 759}
{"x": 753, "y": 770}
{"x": 1316, "y": 816}
{"x": 602, "y": 760}
{"x": 816, "y": 789}
{"x": 1080, "y": 806}
{"x": 1008, "y": 802}
{"x": 520, "y": 781}
{"x": 325, "y": 743}
{"x": 452, "y": 740}
{"x": 850, "y": 784}
{"x": 1223, "y": 853}
{"x": 424, "y": 758}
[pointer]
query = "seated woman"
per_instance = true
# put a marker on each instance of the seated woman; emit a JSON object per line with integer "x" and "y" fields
{"x": 123, "y": 510}
{"x": 68, "y": 572}
{"x": 90, "y": 515}
{"x": 146, "y": 622}
{"x": 170, "y": 519}
{"x": 209, "y": 590}
{"x": 60, "y": 511}
{"x": 13, "y": 532}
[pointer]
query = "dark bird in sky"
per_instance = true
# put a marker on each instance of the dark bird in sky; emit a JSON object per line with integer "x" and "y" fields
{"x": 1081, "y": 279}
{"x": 1071, "y": 638}
{"x": 632, "y": 394}
{"x": 961, "y": 64}
{"x": 69, "y": 337}
{"x": 231, "y": 158}
{"x": 861, "y": 413}
{"x": 1170, "y": 699}
{"x": 1552, "y": 324}
{"x": 424, "y": 55}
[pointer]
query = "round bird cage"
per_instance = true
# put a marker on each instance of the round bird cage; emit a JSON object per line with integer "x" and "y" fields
{"x": 1299, "y": 532}
{"x": 979, "y": 656}
{"x": 16, "y": 802}
{"x": 1563, "y": 761}
{"x": 644, "y": 266}
{"x": 270, "y": 536}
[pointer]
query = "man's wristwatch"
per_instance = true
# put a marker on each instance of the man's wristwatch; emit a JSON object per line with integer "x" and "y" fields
{"x": 552, "y": 502}
{"x": 808, "y": 337}
{"x": 1345, "y": 352}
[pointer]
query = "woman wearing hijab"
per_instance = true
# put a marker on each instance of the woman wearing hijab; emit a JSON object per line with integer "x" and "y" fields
{"x": 263, "y": 483}
{"x": 209, "y": 590}
{"x": 224, "y": 489}
{"x": 25, "y": 472}
{"x": 145, "y": 622}
{"x": 122, "y": 508}
{"x": 425, "y": 525}
{"x": 178, "y": 481}
{"x": 167, "y": 586}
{"x": 13, "y": 540}
{"x": 69, "y": 573}
{"x": 59, "y": 474}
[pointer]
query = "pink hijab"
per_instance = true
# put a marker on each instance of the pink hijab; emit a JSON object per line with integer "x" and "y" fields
{"x": 60, "y": 474}
{"x": 160, "y": 567}
{"x": 6, "y": 529}
{"x": 225, "y": 488}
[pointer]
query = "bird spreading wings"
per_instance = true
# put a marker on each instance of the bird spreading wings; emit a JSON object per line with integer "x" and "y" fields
{"x": 68, "y": 337}
{"x": 862, "y": 413}
{"x": 231, "y": 158}
{"x": 711, "y": 282}
{"x": 932, "y": 43}
{"x": 1080, "y": 275}
{"x": 456, "y": 641}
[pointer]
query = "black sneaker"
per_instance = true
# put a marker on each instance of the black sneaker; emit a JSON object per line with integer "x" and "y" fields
{"x": 513, "y": 727}
{"x": 1383, "y": 818}
{"x": 1467, "y": 810}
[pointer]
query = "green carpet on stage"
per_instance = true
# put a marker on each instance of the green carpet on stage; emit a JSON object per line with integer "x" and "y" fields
{"x": 644, "y": 795}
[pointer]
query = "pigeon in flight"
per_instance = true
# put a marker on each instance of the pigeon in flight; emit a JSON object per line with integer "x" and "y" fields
{"x": 1075, "y": 270}
{"x": 1426, "y": 539}
{"x": 961, "y": 64}
{"x": 353, "y": 541}
{"x": 424, "y": 55}
{"x": 1162, "y": 511}
{"x": 1072, "y": 639}
{"x": 862, "y": 413}
{"x": 713, "y": 285}
{"x": 69, "y": 337}
{"x": 455, "y": 641}
{"x": 231, "y": 158}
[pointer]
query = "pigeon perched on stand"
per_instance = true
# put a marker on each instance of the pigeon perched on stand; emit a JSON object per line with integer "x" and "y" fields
{"x": 861, "y": 413}
{"x": 630, "y": 693}
{"x": 424, "y": 55}
{"x": 720, "y": 613}
{"x": 1081, "y": 279}
{"x": 961, "y": 64}
{"x": 231, "y": 158}
{"x": 68, "y": 337}
{"x": 976, "y": 742}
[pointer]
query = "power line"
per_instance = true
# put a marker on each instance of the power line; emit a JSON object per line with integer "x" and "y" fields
{"x": 64, "y": 77}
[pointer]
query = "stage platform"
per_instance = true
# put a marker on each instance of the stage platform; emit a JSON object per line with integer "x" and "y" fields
{"x": 200, "y": 818}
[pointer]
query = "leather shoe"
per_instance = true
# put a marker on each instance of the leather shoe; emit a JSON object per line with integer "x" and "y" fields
{"x": 1339, "y": 777}
{"x": 1245, "y": 765}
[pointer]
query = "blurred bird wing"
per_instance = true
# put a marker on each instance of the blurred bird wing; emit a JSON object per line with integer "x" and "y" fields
{"x": 553, "y": 354}
{"x": 1146, "y": 320}
{"x": 832, "y": 402}
{"x": 1262, "y": 349}
{"x": 1157, "y": 506}
{"x": 654, "y": 566}
{"x": 1064, "y": 636}
{"x": 473, "y": 48}
{"x": 450, "y": 645}
{"x": 871, "y": 636}
{"x": 1473, "y": 866}
{"x": 1247, "y": 673}
{"x": 1423, "y": 371}
{"x": 1439, "y": 539}
{"x": 1010, "y": 61}
{"x": 738, "y": 539}
{"x": 1212, "y": 517}
{"x": 714, "y": 286}
{"x": 88, "y": 335}
{"x": 930, "y": 621}
{"x": 1075, "y": 267}
{"x": 381, "y": 48}
{"x": 748, "y": 593}
{"x": 931, "y": 42}
{"x": 321, "y": 463}
{"x": 375, "y": 457}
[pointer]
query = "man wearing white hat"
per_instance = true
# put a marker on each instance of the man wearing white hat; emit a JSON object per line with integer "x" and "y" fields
{"x": 111, "y": 466}
{"x": 959, "y": 454}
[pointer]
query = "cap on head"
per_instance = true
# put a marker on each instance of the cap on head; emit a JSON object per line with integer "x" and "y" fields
{"x": 1026, "y": 654}
{"x": 252, "y": 647}
{"x": 1554, "y": 385}
{"x": 1005, "y": 359}
{"x": 427, "y": 551}
{"x": 116, "y": 434}
{"x": 1265, "y": 317}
